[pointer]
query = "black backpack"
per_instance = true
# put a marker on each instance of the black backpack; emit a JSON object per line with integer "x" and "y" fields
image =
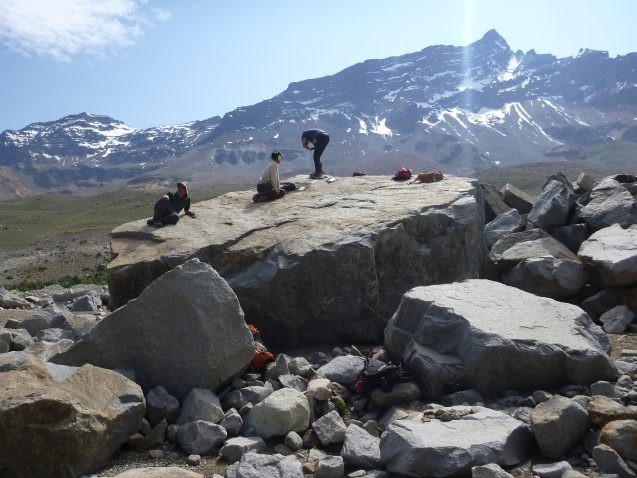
{"x": 379, "y": 374}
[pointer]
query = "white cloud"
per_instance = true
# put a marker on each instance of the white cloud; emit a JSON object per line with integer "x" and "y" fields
{"x": 63, "y": 29}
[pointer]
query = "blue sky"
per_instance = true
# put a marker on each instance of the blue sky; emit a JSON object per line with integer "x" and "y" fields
{"x": 154, "y": 62}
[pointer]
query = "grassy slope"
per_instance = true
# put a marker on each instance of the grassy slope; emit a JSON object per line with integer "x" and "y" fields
{"x": 27, "y": 221}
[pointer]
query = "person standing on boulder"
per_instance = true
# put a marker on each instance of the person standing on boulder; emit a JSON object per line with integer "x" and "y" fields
{"x": 319, "y": 140}
{"x": 269, "y": 186}
{"x": 169, "y": 206}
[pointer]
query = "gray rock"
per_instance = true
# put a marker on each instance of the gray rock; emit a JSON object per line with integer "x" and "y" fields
{"x": 191, "y": 297}
{"x": 572, "y": 235}
{"x": 608, "y": 461}
{"x": 319, "y": 389}
{"x": 16, "y": 339}
{"x": 617, "y": 319}
{"x": 573, "y": 474}
{"x": 232, "y": 422}
{"x": 360, "y": 449}
{"x": 160, "y": 405}
{"x": 343, "y": 370}
{"x": 300, "y": 366}
{"x": 71, "y": 294}
{"x": 159, "y": 472}
{"x": 585, "y": 182}
{"x": 55, "y": 335}
{"x": 489, "y": 471}
{"x": 553, "y": 206}
{"x": 9, "y": 300}
{"x": 293, "y": 441}
{"x": 330, "y": 428}
{"x": 234, "y": 448}
{"x": 56, "y": 316}
{"x": 540, "y": 396}
{"x": 278, "y": 367}
{"x": 605, "y": 388}
{"x": 63, "y": 421}
{"x": 436, "y": 448}
{"x": 609, "y": 203}
{"x": 293, "y": 382}
{"x": 548, "y": 276}
{"x": 254, "y": 465}
{"x": 16, "y": 360}
{"x": 558, "y": 425}
{"x": 372, "y": 230}
{"x": 400, "y": 393}
{"x": 551, "y": 470}
{"x": 504, "y": 224}
{"x": 45, "y": 350}
{"x": 612, "y": 253}
{"x": 200, "y": 404}
{"x": 621, "y": 436}
{"x": 517, "y": 198}
{"x": 330, "y": 467}
{"x": 256, "y": 393}
{"x": 87, "y": 303}
{"x": 200, "y": 437}
{"x": 194, "y": 460}
{"x": 494, "y": 337}
{"x": 283, "y": 411}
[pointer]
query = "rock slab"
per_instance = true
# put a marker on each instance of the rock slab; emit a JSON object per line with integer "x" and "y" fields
{"x": 492, "y": 337}
{"x": 374, "y": 238}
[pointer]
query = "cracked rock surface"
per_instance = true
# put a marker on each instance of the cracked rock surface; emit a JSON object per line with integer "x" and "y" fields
{"x": 327, "y": 264}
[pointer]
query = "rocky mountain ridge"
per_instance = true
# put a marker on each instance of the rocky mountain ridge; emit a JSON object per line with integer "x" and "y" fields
{"x": 455, "y": 108}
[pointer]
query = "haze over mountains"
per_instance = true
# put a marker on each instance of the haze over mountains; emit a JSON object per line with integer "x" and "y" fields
{"x": 459, "y": 109}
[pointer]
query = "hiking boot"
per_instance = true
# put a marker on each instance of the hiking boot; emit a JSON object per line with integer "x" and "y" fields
{"x": 154, "y": 223}
{"x": 316, "y": 175}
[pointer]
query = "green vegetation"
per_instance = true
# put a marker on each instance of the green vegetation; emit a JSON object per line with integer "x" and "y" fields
{"x": 99, "y": 278}
{"x": 42, "y": 218}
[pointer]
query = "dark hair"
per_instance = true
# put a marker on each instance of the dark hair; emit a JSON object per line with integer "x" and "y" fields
{"x": 276, "y": 155}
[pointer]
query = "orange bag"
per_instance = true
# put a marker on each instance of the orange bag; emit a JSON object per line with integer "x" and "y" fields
{"x": 261, "y": 357}
{"x": 427, "y": 177}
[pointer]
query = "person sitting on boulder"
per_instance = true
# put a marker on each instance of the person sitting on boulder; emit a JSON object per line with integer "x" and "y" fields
{"x": 269, "y": 186}
{"x": 169, "y": 206}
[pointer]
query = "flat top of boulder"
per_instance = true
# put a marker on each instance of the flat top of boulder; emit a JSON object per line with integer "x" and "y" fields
{"x": 612, "y": 243}
{"x": 304, "y": 220}
{"x": 495, "y": 308}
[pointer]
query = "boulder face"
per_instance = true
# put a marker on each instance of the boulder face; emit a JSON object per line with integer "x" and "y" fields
{"x": 327, "y": 264}
{"x": 186, "y": 330}
{"x": 64, "y": 421}
{"x": 490, "y": 337}
{"x": 612, "y": 251}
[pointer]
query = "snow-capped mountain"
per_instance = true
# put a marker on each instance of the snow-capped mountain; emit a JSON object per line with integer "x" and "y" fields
{"x": 454, "y": 108}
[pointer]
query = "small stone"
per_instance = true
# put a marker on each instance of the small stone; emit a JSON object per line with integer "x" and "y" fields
{"x": 171, "y": 433}
{"x": 604, "y": 388}
{"x": 293, "y": 441}
{"x": 551, "y": 470}
{"x": 540, "y": 396}
{"x": 156, "y": 453}
{"x": 330, "y": 428}
{"x": 330, "y": 467}
{"x": 193, "y": 460}
{"x": 319, "y": 389}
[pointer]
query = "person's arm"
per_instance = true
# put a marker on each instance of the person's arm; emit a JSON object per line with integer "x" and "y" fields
{"x": 274, "y": 178}
{"x": 187, "y": 210}
{"x": 304, "y": 142}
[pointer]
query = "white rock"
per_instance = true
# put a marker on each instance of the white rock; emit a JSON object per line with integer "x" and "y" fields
{"x": 281, "y": 412}
{"x": 612, "y": 252}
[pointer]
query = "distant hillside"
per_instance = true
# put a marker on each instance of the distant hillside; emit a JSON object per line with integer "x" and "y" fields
{"x": 459, "y": 109}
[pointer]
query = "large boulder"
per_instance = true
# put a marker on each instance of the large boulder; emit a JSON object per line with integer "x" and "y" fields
{"x": 327, "y": 264}
{"x": 610, "y": 202}
{"x": 518, "y": 246}
{"x": 185, "y": 331}
{"x": 491, "y": 337}
{"x": 553, "y": 206}
{"x": 516, "y": 198}
{"x": 9, "y": 300}
{"x": 63, "y": 421}
{"x": 612, "y": 253}
{"x": 436, "y": 448}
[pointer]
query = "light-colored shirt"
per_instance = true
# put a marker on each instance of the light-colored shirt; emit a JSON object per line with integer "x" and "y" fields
{"x": 271, "y": 176}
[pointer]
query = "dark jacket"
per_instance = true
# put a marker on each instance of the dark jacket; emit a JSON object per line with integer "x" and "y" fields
{"x": 178, "y": 203}
{"x": 312, "y": 135}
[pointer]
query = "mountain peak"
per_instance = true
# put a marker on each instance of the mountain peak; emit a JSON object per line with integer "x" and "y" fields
{"x": 492, "y": 37}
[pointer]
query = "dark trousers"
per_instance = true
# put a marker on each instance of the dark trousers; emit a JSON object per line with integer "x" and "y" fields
{"x": 164, "y": 212}
{"x": 269, "y": 191}
{"x": 319, "y": 147}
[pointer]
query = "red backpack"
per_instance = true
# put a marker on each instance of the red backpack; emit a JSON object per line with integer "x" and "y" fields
{"x": 402, "y": 174}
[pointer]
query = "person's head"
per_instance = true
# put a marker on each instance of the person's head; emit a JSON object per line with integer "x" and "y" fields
{"x": 276, "y": 156}
{"x": 182, "y": 189}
